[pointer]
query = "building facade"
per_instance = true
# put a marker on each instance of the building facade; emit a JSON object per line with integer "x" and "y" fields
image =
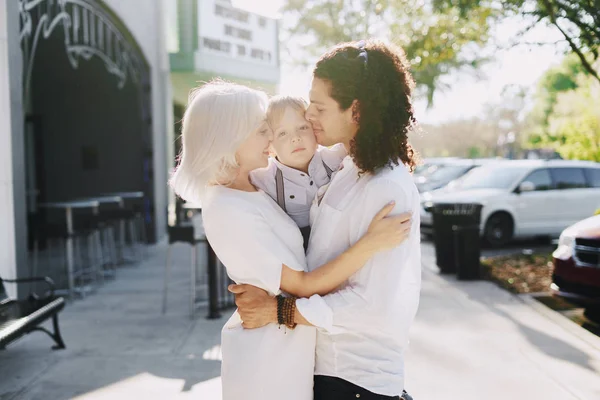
{"x": 86, "y": 109}
{"x": 212, "y": 38}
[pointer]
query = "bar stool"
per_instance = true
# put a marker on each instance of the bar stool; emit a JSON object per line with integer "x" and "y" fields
{"x": 107, "y": 225}
{"x": 47, "y": 234}
{"x": 71, "y": 231}
{"x": 140, "y": 227}
{"x": 131, "y": 223}
{"x": 87, "y": 236}
{"x": 184, "y": 233}
{"x": 218, "y": 296}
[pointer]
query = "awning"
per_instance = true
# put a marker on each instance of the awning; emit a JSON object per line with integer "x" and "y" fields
{"x": 183, "y": 82}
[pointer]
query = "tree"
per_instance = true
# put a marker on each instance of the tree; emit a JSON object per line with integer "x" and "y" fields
{"x": 566, "y": 116}
{"x": 471, "y": 138}
{"x": 437, "y": 42}
{"x": 497, "y": 132}
{"x": 578, "y": 21}
{"x": 575, "y": 121}
{"x": 557, "y": 79}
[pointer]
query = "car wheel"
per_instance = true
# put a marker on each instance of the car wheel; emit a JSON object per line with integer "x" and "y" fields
{"x": 592, "y": 313}
{"x": 498, "y": 230}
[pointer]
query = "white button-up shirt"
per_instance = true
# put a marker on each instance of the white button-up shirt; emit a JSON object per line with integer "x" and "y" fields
{"x": 363, "y": 327}
{"x": 299, "y": 188}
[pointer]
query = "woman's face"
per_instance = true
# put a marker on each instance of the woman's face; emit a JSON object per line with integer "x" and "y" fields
{"x": 254, "y": 151}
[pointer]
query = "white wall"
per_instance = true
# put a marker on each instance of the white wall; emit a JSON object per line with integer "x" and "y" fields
{"x": 146, "y": 22}
{"x": 140, "y": 18}
{"x": 12, "y": 184}
{"x": 7, "y": 223}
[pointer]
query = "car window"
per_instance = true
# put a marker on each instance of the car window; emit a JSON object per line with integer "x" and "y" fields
{"x": 449, "y": 173}
{"x": 541, "y": 179}
{"x": 593, "y": 177}
{"x": 568, "y": 178}
{"x": 491, "y": 176}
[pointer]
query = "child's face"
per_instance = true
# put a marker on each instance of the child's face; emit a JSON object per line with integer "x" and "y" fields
{"x": 294, "y": 142}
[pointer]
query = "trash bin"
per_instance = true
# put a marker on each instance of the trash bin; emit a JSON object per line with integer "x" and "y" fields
{"x": 467, "y": 251}
{"x": 456, "y": 238}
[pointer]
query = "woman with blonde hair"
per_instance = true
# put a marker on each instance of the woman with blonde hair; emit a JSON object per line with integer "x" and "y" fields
{"x": 225, "y": 136}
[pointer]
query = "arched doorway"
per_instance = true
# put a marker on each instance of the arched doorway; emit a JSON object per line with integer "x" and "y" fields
{"x": 86, "y": 92}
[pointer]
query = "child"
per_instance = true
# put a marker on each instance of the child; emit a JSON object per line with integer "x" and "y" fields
{"x": 300, "y": 166}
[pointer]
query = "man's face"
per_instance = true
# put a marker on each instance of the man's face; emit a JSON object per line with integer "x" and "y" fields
{"x": 330, "y": 124}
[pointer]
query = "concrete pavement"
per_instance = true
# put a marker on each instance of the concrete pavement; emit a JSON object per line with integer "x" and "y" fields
{"x": 473, "y": 340}
{"x": 470, "y": 341}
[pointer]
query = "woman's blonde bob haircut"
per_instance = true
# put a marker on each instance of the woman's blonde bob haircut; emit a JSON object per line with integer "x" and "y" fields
{"x": 218, "y": 119}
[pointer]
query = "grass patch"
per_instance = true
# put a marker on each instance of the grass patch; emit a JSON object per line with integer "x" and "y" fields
{"x": 555, "y": 303}
{"x": 521, "y": 273}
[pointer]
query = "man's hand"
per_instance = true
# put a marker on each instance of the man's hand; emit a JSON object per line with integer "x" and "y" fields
{"x": 255, "y": 306}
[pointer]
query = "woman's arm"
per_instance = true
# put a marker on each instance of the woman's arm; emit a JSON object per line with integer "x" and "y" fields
{"x": 338, "y": 311}
{"x": 383, "y": 234}
{"x": 327, "y": 278}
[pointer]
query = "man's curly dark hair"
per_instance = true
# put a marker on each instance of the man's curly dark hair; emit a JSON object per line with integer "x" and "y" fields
{"x": 381, "y": 83}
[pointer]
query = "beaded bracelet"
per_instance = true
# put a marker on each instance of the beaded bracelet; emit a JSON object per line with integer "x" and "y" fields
{"x": 280, "y": 302}
{"x": 286, "y": 310}
{"x": 289, "y": 307}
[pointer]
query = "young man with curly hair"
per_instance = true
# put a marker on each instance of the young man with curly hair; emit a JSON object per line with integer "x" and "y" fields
{"x": 361, "y": 97}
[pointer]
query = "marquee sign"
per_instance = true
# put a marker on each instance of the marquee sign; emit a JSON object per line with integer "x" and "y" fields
{"x": 230, "y": 32}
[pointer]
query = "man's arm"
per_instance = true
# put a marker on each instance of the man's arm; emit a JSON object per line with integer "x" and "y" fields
{"x": 257, "y": 308}
{"x": 384, "y": 290}
{"x": 385, "y": 293}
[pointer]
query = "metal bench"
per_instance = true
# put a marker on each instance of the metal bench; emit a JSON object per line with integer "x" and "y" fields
{"x": 20, "y": 317}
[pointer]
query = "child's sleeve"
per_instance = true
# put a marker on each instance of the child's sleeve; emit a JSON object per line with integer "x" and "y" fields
{"x": 264, "y": 179}
{"x": 333, "y": 156}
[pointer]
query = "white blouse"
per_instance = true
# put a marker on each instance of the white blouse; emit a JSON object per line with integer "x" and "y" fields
{"x": 300, "y": 188}
{"x": 253, "y": 237}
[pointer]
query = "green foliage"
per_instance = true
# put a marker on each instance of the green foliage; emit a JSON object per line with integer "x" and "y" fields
{"x": 487, "y": 135}
{"x": 437, "y": 42}
{"x": 574, "y": 126}
{"x": 578, "y": 21}
{"x": 566, "y": 115}
{"x": 474, "y": 152}
{"x": 556, "y": 80}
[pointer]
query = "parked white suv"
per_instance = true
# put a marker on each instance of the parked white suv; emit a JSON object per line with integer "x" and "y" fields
{"x": 523, "y": 197}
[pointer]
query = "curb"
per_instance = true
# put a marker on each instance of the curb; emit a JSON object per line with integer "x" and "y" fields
{"x": 529, "y": 300}
{"x": 561, "y": 320}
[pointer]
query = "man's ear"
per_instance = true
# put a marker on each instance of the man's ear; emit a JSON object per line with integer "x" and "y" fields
{"x": 355, "y": 112}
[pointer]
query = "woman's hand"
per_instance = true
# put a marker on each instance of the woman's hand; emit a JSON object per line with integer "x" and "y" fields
{"x": 385, "y": 232}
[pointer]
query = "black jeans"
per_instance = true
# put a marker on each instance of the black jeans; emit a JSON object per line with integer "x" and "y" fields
{"x": 332, "y": 388}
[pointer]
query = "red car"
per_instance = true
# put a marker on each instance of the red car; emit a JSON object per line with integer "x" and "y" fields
{"x": 576, "y": 274}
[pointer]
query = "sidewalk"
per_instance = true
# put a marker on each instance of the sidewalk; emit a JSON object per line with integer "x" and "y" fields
{"x": 477, "y": 341}
{"x": 471, "y": 341}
